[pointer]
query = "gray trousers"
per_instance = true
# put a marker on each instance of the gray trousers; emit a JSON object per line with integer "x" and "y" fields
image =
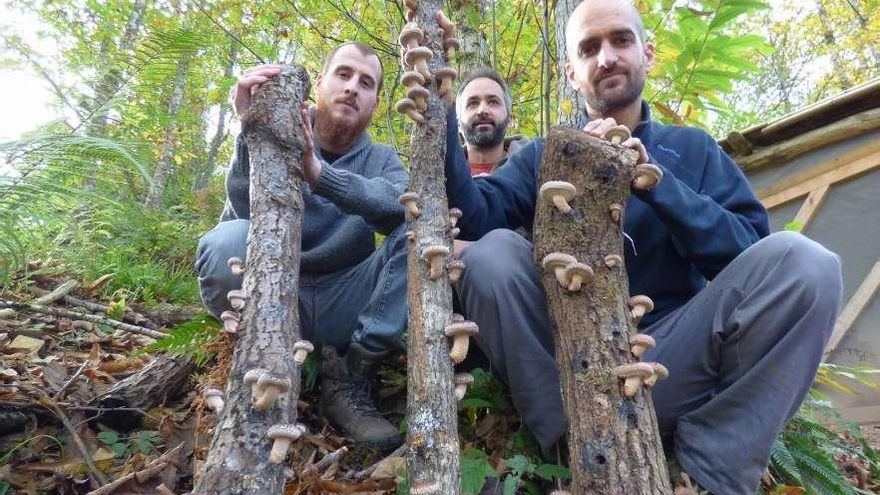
{"x": 364, "y": 303}
{"x": 741, "y": 354}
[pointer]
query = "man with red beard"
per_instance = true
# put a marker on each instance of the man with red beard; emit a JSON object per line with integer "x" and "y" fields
{"x": 742, "y": 351}
{"x": 352, "y": 296}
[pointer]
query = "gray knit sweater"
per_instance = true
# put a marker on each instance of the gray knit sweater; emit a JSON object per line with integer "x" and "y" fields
{"x": 354, "y": 198}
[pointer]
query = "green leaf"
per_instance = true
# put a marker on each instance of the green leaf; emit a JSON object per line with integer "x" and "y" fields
{"x": 108, "y": 437}
{"x": 4, "y": 487}
{"x": 510, "y": 484}
{"x": 552, "y": 472}
{"x": 475, "y": 468}
{"x": 519, "y": 464}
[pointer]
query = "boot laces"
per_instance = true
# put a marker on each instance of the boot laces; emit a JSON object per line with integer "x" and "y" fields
{"x": 360, "y": 394}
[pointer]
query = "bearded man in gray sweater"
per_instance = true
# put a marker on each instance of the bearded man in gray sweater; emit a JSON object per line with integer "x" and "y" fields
{"x": 352, "y": 296}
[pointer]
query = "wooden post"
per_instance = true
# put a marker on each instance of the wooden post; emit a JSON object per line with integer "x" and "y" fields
{"x": 239, "y": 459}
{"x": 432, "y": 455}
{"x": 614, "y": 444}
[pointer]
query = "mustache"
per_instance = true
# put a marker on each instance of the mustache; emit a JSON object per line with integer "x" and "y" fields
{"x": 604, "y": 75}
{"x": 350, "y": 101}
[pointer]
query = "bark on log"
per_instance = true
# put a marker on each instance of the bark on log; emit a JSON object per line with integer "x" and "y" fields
{"x": 614, "y": 444}
{"x": 432, "y": 436}
{"x": 239, "y": 460}
{"x": 160, "y": 380}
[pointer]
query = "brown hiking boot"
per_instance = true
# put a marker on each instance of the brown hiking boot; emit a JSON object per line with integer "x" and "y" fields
{"x": 681, "y": 481}
{"x": 348, "y": 400}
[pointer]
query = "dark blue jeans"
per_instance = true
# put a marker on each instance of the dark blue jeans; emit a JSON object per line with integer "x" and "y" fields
{"x": 364, "y": 303}
{"x": 741, "y": 354}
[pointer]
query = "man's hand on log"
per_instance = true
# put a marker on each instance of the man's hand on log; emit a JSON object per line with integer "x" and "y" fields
{"x": 600, "y": 127}
{"x": 311, "y": 164}
{"x": 248, "y": 84}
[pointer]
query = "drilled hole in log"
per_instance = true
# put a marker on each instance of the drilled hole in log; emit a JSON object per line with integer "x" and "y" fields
{"x": 600, "y": 459}
{"x": 605, "y": 174}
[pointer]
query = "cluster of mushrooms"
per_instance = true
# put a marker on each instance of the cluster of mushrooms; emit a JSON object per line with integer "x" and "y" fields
{"x": 572, "y": 274}
{"x": 266, "y": 386}
{"x": 417, "y": 75}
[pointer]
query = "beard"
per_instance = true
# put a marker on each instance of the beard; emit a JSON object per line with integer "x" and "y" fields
{"x": 485, "y": 138}
{"x": 618, "y": 97}
{"x": 342, "y": 132}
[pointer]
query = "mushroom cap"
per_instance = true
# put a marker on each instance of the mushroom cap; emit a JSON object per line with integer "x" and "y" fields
{"x": 463, "y": 379}
{"x": 405, "y": 105}
{"x": 230, "y": 315}
{"x": 304, "y": 345}
{"x": 581, "y": 269}
{"x": 464, "y": 327}
{"x": 615, "y": 207}
{"x": 425, "y": 488}
{"x": 268, "y": 379}
{"x": 213, "y": 392}
{"x": 235, "y": 260}
{"x": 642, "y": 340}
{"x": 409, "y": 195}
{"x": 643, "y": 301}
{"x": 445, "y": 72}
{"x": 435, "y": 251}
{"x": 456, "y": 264}
{"x": 554, "y": 260}
{"x": 455, "y": 212}
{"x": 411, "y": 77}
{"x": 613, "y": 260}
{"x": 652, "y": 171}
{"x": 558, "y": 188}
{"x": 417, "y": 91}
{"x": 660, "y": 370}
{"x": 293, "y": 432}
{"x": 451, "y": 43}
{"x": 410, "y": 30}
{"x": 254, "y": 375}
{"x": 633, "y": 369}
{"x": 457, "y": 317}
{"x": 417, "y": 54}
{"x": 620, "y": 131}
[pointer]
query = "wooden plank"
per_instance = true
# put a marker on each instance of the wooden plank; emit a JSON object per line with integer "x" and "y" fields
{"x": 866, "y": 415}
{"x": 863, "y": 90}
{"x": 835, "y": 162}
{"x": 811, "y": 207}
{"x": 784, "y": 151}
{"x": 845, "y": 172}
{"x": 857, "y": 303}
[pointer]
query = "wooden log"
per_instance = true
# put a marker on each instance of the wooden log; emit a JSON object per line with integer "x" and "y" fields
{"x": 785, "y": 151}
{"x": 239, "y": 459}
{"x": 614, "y": 443}
{"x": 162, "y": 379}
{"x": 432, "y": 437}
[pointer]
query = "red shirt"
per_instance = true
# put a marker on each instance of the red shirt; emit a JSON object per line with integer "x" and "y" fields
{"x": 481, "y": 168}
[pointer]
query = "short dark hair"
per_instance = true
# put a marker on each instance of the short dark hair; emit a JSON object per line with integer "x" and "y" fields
{"x": 487, "y": 73}
{"x": 365, "y": 50}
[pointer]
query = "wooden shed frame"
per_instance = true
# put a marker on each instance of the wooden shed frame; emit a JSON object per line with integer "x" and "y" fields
{"x": 832, "y": 125}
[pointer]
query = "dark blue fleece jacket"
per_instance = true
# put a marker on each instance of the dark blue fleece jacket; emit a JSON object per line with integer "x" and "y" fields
{"x": 686, "y": 230}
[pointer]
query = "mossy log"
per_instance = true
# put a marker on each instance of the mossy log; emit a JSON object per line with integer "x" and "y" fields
{"x": 614, "y": 444}
{"x": 239, "y": 460}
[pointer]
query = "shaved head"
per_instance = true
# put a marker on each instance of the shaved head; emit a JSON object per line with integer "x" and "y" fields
{"x": 585, "y": 10}
{"x": 608, "y": 59}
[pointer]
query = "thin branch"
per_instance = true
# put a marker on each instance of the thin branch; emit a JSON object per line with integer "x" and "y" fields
{"x": 58, "y": 395}
{"x": 387, "y": 48}
{"x": 126, "y": 327}
{"x": 228, "y": 33}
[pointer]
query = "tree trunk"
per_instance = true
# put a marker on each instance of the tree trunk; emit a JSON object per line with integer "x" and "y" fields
{"x": 166, "y": 160}
{"x": 614, "y": 444}
{"x": 432, "y": 436}
{"x": 160, "y": 380}
{"x": 239, "y": 460}
{"x": 570, "y": 106}
{"x": 204, "y": 175}
{"x": 109, "y": 83}
{"x": 474, "y": 51}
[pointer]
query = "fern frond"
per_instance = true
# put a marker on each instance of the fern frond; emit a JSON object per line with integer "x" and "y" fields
{"x": 784, "y": 464}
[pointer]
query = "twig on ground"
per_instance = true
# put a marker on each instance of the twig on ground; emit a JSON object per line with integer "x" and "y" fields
{"x": 134, "y": 318}
{"x": 48, "y": 310}
{"x": 151, "y": 469}
{"x": 59, "y": 292}
{"x": 366, "y": 473}
{"x": 58, "y": 395}
{"x": 325, "y": 462}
